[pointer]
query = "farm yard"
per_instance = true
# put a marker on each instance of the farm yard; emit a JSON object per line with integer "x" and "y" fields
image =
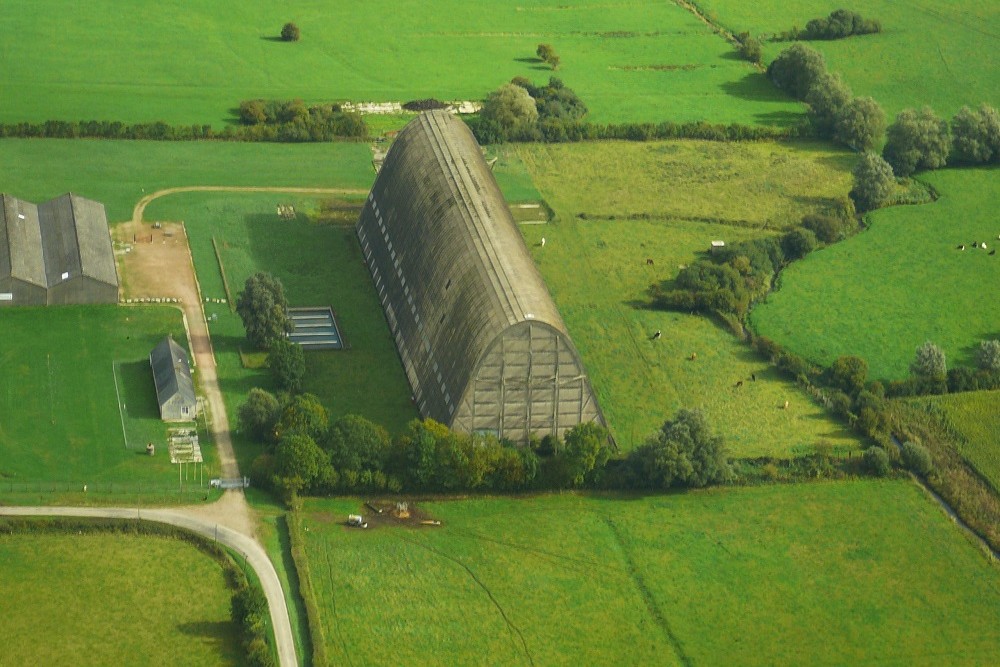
{"x": 59, "y": 412}
{"x": 671, "y": 579}
{"x": 882, "y": 293}
{"x": 112, "y": 599}
{"x": 641, "y": 62}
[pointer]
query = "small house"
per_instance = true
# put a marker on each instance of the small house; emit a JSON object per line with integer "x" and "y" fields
{"x": 717, "y": 246}
{"x": 174, "y": 386}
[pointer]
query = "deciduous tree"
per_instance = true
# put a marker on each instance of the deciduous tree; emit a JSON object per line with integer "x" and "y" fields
{"x": 873, "y": 182}
{"x": 860, "y": 124}
{"x": 976, "y": 135}
{"x": 929, "y": 363}
{"x": 290, "y": 32}
{"x": 264, "y": 310}
{"x": 287, "y": 362}
{"x": 796, "y": 69}
{"x": 683, "y": 452}
{"x": 917, "y": 140}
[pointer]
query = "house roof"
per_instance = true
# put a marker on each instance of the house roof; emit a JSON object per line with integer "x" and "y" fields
{"x": 171, "y": 372}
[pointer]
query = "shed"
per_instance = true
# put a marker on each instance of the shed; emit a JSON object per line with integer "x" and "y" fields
{"x": 57, "y": 252}
{"x": 480, "y": 339}
{"x": 717, "y": 246}
{"x": 172, "y": 377}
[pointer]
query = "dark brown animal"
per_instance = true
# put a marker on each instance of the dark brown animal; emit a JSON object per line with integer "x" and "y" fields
{"x": 649, "y": 261}
{"x": 738, "y": 384}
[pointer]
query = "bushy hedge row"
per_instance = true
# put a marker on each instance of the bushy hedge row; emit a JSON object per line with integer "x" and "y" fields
{"x": 249, "y": 605}
{"x": 839, "y": 24}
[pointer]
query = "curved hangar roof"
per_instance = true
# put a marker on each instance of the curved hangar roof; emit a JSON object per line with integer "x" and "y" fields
{"x": 482, "y": 342}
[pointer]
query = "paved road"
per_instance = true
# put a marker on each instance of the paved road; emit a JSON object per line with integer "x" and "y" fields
{"x": 243, "y": 544}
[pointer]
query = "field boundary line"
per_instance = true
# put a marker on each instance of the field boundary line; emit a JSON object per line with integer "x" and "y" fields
{"x": 654, "y": 609}
{"x": 140, "y": 207}
{"x": 114, "y": 372}
{"x": 511, "y": 626}
{"x": 222, "y": 272}
{"x": 333, "y": 599}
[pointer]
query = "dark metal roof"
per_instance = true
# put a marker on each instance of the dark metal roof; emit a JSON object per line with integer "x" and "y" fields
{"x": 21, "y": 242}
{"x": 55, "y": 241}
{"x": 452, "y": 269}
{"x": 76, "y": 240}
{"x": 171, "y": 372}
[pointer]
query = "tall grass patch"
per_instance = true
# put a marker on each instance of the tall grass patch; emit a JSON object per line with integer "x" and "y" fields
{"x": 975, "y": 416}
{"x": 636, "y": 199}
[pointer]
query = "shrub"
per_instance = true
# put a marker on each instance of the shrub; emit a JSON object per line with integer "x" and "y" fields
{"x": 988, "y": 355}
{"x": 917, "y": 458}
{"x": 258, "y": 414}
{"x": 839, "y": 24}
{"x": 859, "y": 124}
{"x": 873, "y": 182}
{"x": 826, "y": 228}
{"x": 917, "y": 140}
{"x": 877, "y": 461}
{"x": 798, "y": 243}
{"x": 796, "y": 69}
{"x": 749, "y": 48}
{"x": 425, "y": 105}
{"x": 929, "y": 363}
{"x": 976, "y": 135}
{"x": 287, "y": 362}
{"x": 290, "y": 32}
{"x": 683, "y": 452}
{"x": 826, "y": 97}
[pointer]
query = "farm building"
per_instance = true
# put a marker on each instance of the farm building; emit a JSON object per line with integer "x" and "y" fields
{"x": 480, "y": 338}
{"x": 58, "y": 252}
{"x": 174, "y": 386}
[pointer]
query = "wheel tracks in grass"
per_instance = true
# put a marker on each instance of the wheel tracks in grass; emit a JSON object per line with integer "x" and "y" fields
{"x": 511, "y": 626}
{"x": 333, "y": 601}
{"x": 654, "y": 609}
{"x": 716, "y": 27}
{"x": 582, "y": 564}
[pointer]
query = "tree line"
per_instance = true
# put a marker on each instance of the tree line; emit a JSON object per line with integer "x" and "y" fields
{"x": 916, "y": 140}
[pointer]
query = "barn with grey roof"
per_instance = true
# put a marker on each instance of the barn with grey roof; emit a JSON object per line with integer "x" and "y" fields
{"x": 482, "y": 342}
{"x": 174, "y": 385}
{"x": 58, "y": 252}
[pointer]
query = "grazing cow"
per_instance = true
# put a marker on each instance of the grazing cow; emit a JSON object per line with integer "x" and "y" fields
{"x": 694, "y": 355}
{"x": 961, "y": 247}
{"x": 786, "y": 406}
{"x": 753, "y": 377}
{"x": 657, "y": 334}
{"x": 649, "y": 261}
{"x": 543, "y": 241}
{"x": 739, "y": 383}
{"x": 983, "y": 246}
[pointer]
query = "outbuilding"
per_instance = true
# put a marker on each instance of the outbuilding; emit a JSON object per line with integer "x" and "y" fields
{"x": 58, "y": 252}
{"x": 174, "y": 385}
{"x": 481, "y": 340}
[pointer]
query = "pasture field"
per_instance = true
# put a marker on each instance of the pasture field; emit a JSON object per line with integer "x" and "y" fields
{"x": 940, "y": 53}
{"x": 882, "y": 293}
{"x": 319, "y": 265}
{"x": 113, "y": 600}
{"x": 597, "y": 272}
{"x": 827, "y": 573}
{"x": 59, "y": 415}
{"x": 192, "y": 62}
{"x": 975, "y": 416}
{"x": 120, "y": 173}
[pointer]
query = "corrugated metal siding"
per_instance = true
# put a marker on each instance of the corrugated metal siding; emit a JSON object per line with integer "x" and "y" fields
{"x": 454, "y": 277}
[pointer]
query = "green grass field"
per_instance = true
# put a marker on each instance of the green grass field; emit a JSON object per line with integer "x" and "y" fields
{"x": 319, "y": 265}
{"x": 185, "y": 62}
{"x": 597, "y": 272}
{"x": 113, "y": 600}
{"x": 120, "y": 173}
{"x": 975, "y": 415}
{"x": 941, "y": 53}
{"x": 59, "y": 416}
{"x": 831, "y": 573}
{"x": 884, "y": 292}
